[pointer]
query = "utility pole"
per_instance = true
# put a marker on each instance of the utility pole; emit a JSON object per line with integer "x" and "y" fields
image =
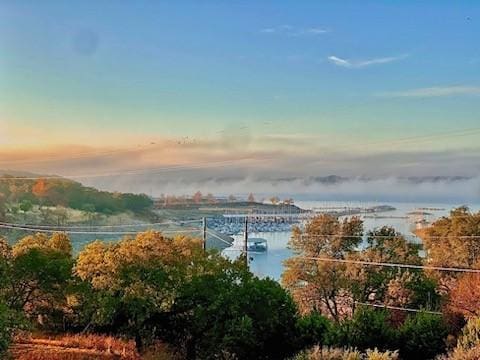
{"x": 204, "y": 234}
{"x": 245, "y": 249}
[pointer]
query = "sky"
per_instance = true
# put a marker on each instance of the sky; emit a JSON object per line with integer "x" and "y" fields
{"x": 252, "y": 88}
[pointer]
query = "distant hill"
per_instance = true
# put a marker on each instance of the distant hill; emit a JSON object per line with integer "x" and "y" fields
{"x": 68, "y": 193}
{"x": 18, "y": 173}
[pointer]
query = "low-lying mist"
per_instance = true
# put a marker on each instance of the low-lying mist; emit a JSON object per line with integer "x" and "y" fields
{"x": 412, "y": 189}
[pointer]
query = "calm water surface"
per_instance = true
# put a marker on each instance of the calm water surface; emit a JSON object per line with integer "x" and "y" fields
{"x": 271, "y": 263}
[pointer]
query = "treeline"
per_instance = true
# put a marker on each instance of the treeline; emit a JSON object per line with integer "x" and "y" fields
{"x": 338, "y": 274}
{"x": 67, "y": 193}
{"x": 153, "y": 289}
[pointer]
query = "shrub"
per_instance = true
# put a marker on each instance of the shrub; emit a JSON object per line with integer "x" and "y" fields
{"x": 470, "y": 335}
{"x": 368, "y": 329}
{"x": 325, "y": 353}
{"x": 468, "y": 345}
{"x": 422, "y": 336}
{"x": 5, "y": 331}
{"x": 313, "y": 329}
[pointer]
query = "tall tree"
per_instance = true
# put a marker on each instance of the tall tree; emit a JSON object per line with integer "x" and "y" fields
{"x": 465, "y": 296}
{"x": 393, "y": 286}
{"x": 320, "y": 285}
{"x": 453, "y": 241}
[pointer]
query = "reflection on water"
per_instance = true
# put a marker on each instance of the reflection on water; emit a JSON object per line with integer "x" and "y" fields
{"x": 271, "y": 263}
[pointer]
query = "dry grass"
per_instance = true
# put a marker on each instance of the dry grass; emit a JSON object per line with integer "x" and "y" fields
{"x": 326, "y": 353}
{"x": 73, "y": 347}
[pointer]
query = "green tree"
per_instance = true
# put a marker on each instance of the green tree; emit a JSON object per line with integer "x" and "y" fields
{"x": 26, "y": 206}
{"x": 313, "y": 329}
{"x": 39, "y": 271}
{"x": 6, "y": 330}
{"x": 235, "y": 313}
{"x": 38, "y": 277}
{"x": 368, "y": 329}
{"x": 422, "y": 336}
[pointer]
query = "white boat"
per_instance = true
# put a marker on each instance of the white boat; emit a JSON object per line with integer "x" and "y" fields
{"x": 257, "y": 245}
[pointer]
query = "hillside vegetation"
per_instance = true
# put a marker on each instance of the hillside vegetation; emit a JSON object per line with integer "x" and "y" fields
{"x": 20, "y": 195}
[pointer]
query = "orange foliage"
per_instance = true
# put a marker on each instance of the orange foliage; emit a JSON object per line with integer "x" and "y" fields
{"x": 40, "y": 188}
{"x": 465, "y": 297}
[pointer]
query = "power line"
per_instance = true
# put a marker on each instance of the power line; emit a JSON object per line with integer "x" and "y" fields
{"x": 40, "y": 230}
{"x": 60, "y": 228}
{"x": 143, "y": 171}
{"x": 388, "y": 236}
{"x": 388, "y": 264}
{"x": 384, "y": 306}
{"x": 80, "y": 155}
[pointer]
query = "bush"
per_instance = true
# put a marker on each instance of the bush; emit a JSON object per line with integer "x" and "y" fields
{"x": 422, "y": 336}
{"x": 218, "y": 315}
{"x": 368, "y": 329}
{"x": 468, "y": 345}
{"x": 313, "y": 329}
{"x": 318, "y": 353}
{"x": 470, "y": 335}
{"x": 5, "y": 331}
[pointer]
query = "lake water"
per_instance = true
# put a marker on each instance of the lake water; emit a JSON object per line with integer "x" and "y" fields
{"x": 270, "y": 263}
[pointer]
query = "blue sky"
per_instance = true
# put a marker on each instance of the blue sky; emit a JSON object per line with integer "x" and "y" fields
{"x": 320, "y": 74}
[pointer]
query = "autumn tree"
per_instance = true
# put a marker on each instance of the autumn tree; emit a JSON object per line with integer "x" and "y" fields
{"x": 125, "y": 283}
{"x": 274, "y": 200}
{"x": 317, "y": 285}
{"x": 453, "y": 241}
{"x": 61, "y": 242}
{"x": 197, "y": 197}
{"x": 5, "y": 249}
{"x": 251, "y": 198}
{"x": 389, "y": 285}
{"x": 35, "y": 241}
{"x": 465, "y": 296}
{"x": 40, "y": 188}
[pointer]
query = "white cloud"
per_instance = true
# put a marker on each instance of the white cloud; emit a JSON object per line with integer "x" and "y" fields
{"x": 268, "y": 30}
{"x": 293, "y": 31}
{"x": 436, "y": 91}
{"x": 316, "y": 31}
{"x": 363, "y": 63}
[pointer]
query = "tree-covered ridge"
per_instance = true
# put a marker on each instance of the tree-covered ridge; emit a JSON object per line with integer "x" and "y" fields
{"x": 18, "y": 192}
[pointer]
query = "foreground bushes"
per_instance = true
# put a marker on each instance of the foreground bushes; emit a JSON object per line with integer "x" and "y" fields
{"x": 319, "y": 353}
{"x": 421, "y": 336}
{"x": 151, "y": 288}
{"x": 468, "y": 345}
